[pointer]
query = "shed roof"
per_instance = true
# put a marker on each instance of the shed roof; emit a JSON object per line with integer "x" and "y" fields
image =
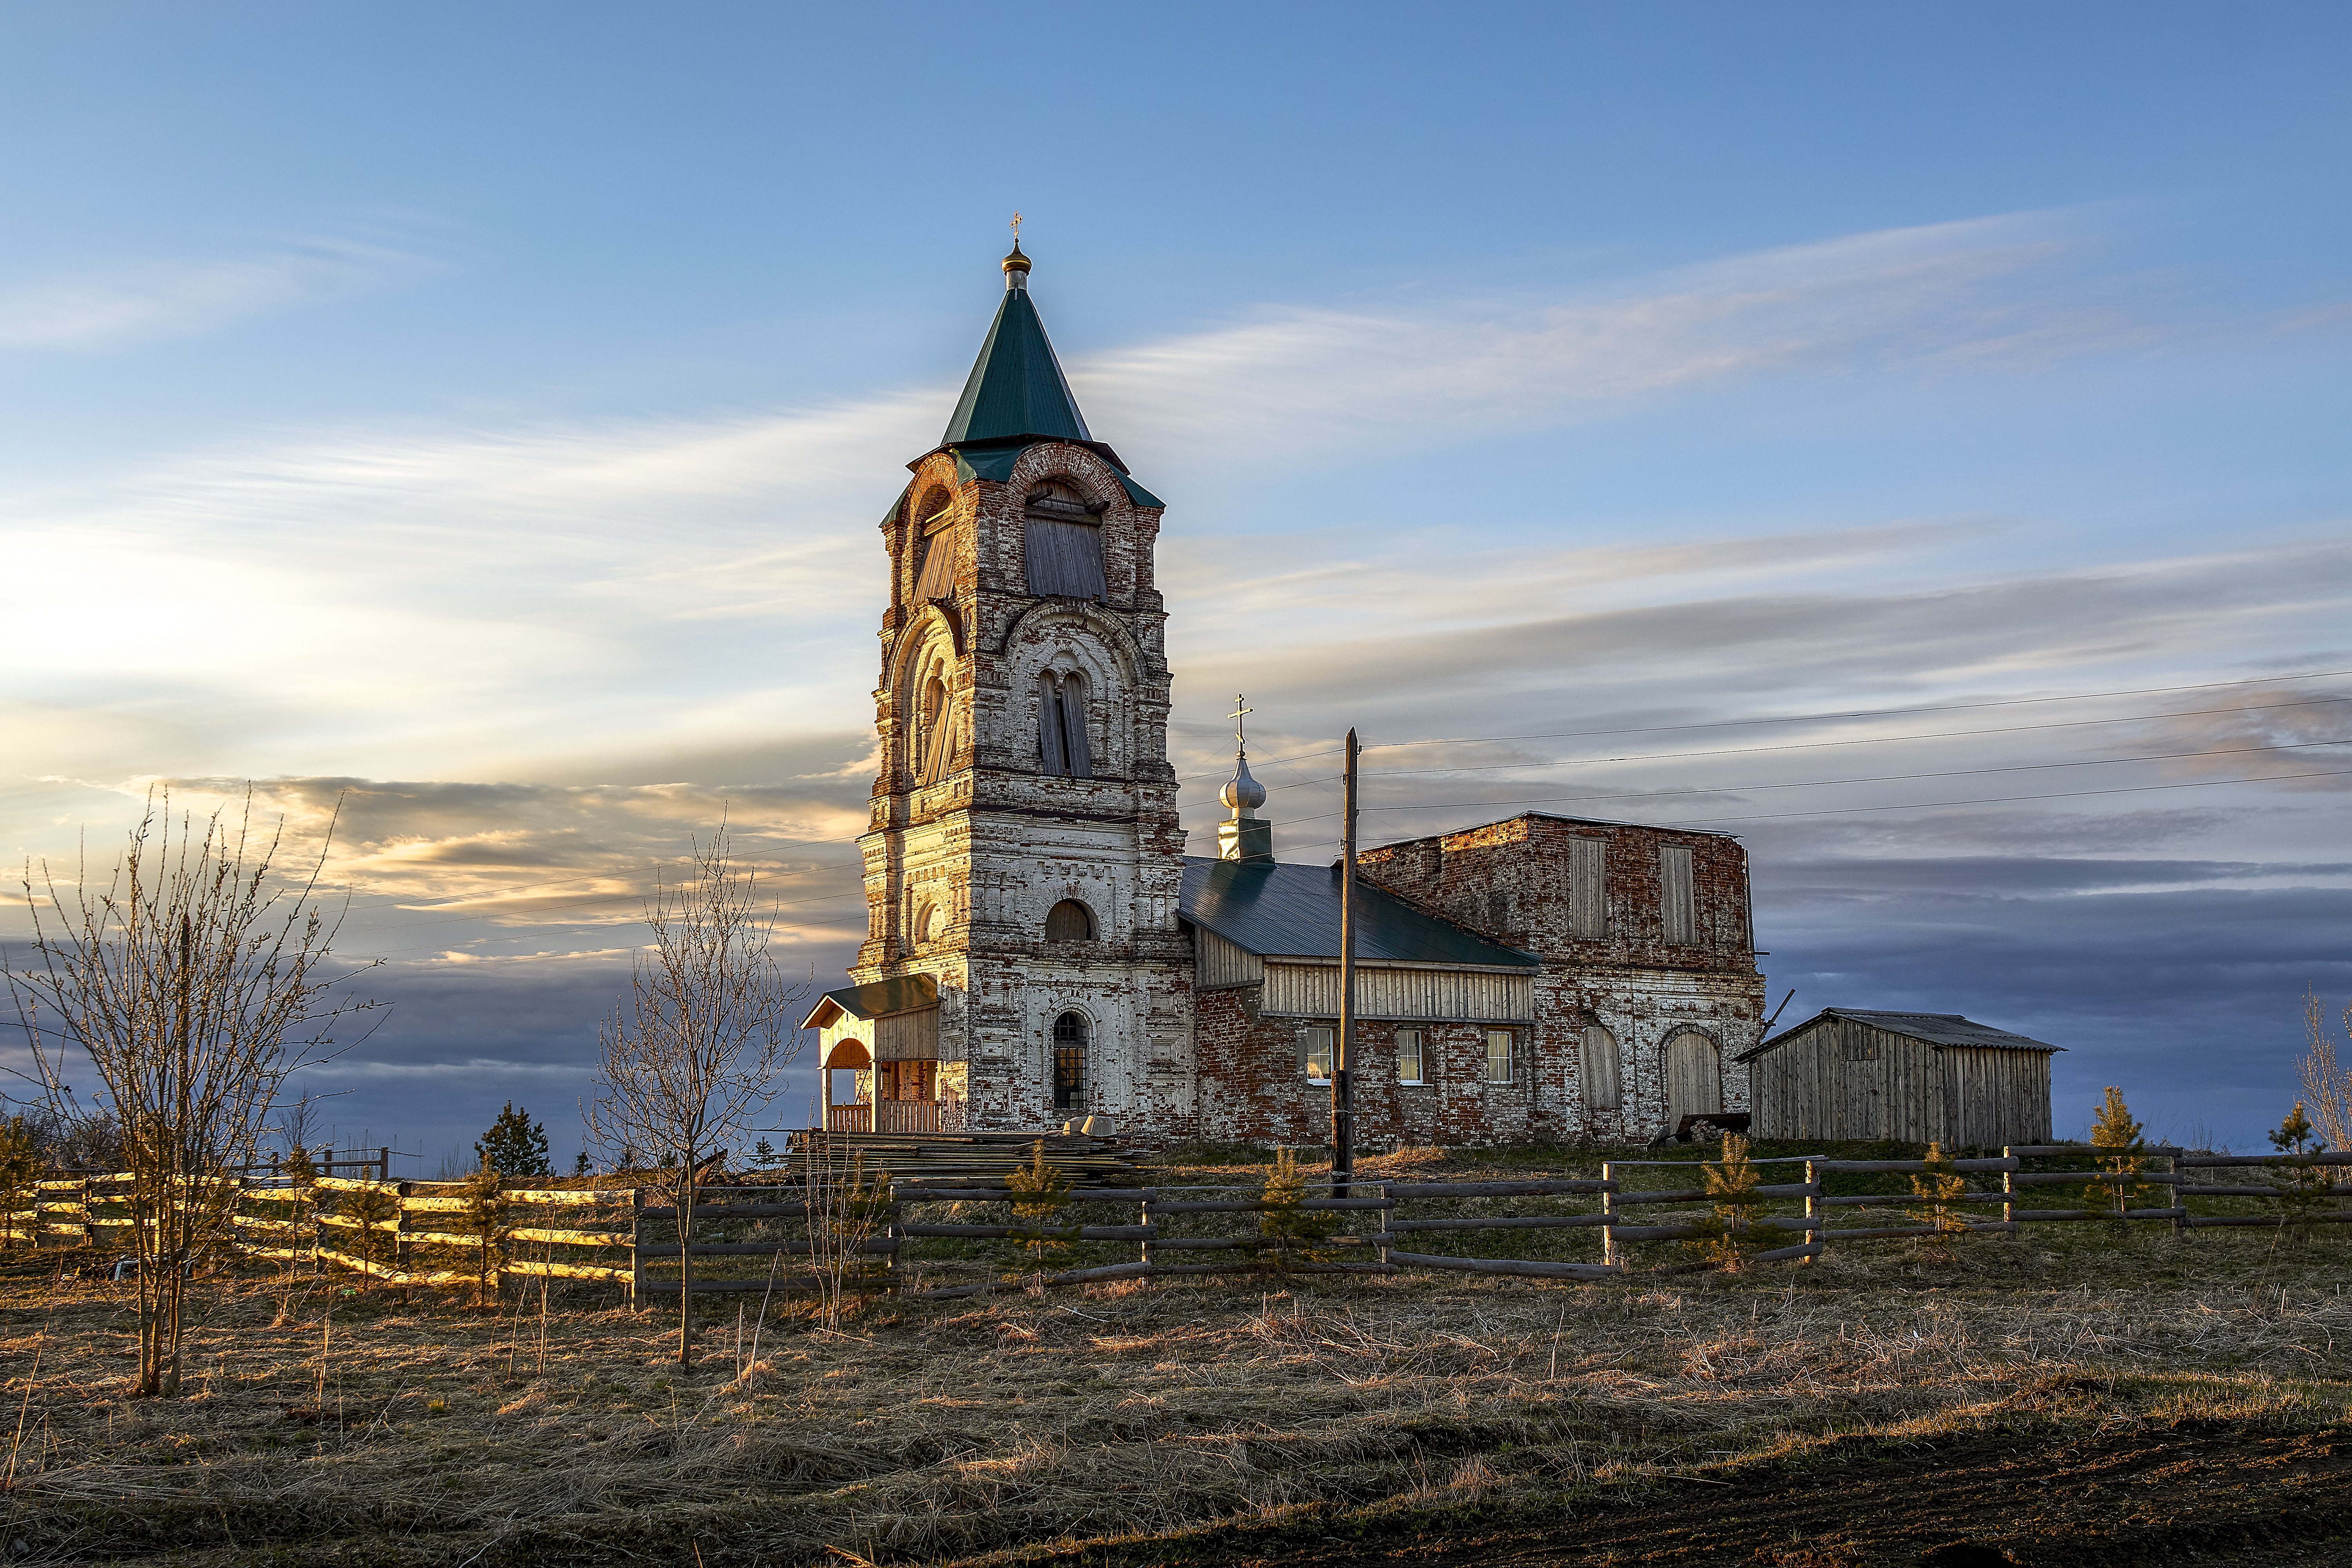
{"x": 1935, "y": 1028}
{"x": 875, "y": 999}
{"x": 1280, "y": 910}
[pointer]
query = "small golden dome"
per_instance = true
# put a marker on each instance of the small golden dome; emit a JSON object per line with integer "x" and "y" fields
{"x": 1016, "y": 262}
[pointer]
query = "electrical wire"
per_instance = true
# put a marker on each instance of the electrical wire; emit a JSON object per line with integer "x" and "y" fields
{"x": 1831, "y": 784}
{"x": 1816, "y": 718}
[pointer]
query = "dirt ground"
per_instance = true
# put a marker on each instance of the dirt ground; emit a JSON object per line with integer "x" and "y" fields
{"x": 2074, "y": 1397}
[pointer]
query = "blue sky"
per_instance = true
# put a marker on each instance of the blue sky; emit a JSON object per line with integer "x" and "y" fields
{"x": 481, "y": 414}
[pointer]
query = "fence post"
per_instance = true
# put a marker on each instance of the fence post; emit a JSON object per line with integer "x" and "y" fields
{"x": 400, "y": 1243}
{"x": 1608, "y": 1217}
{"x": 1388, "y": 1220}
{"x": 383, "y": 1164}
{"x": 636, "y": 1247}
{"x": 2179, "y": 1204}
{"x": 1816, "y": 1217}
{"x": 1143, "y": 1247}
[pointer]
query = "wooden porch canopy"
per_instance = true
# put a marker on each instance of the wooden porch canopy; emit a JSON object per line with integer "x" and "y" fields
{"x": 899, "y": 1016}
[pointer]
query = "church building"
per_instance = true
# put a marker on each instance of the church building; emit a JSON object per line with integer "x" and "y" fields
{"x": 1039, "y": 948}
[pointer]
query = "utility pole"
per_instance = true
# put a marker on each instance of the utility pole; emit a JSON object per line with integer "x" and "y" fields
{"x": 1343, "y": 1070}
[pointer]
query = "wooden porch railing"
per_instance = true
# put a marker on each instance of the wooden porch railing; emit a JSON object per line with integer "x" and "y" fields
{"x": 886, "y": 1116}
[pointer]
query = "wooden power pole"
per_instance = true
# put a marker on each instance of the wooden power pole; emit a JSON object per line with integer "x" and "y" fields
{"x": 1343, "y": 1069}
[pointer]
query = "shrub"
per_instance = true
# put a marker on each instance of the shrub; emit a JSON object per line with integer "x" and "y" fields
{"x": 1285, "y": 1226}
{"x": 2117, "y": 1138}
{"x": 515, "y": 1145}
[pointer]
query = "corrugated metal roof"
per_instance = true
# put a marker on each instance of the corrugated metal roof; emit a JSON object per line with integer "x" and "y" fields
{"x": 900, "y": 994}
{"x": 1936, "y": 1028}
{"x": 1274, "y": 909}
{"x": 1016, "y": 386}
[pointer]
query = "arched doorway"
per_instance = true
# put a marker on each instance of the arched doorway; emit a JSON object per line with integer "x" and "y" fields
{"x": 848, "y": 1080}
{"x": 1694, "y": 1077}
{"x": 1070, "y": 1062}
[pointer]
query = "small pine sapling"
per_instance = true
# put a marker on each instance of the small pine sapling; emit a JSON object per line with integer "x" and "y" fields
{"x": 486, "y": 1221}
{"x": 2117, "y": 1138}
{"x": 20, "y": 1174}
{"x": 1731, "y": 1183}
{"x": 1940, "y": 1186}
{"x": 846, "y": 1209}
{"x": 2303, "y": 1185}
{"x": 764, "y": 1156}
{"x": 1286, "y": 1225}
{"x": 302, "y": 1181}
{"x": 515, "y": 1145}
{"x": 1041, "y": 1192}
{"x": 582, "y": 1165}
{"x": 376, "y": 1207}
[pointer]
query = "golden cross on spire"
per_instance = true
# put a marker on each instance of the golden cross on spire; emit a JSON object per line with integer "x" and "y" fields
{"x": 1016, "y": 231}
{"x": 1237, "y": 715}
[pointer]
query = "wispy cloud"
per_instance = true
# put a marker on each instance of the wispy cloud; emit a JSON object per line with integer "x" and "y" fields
{"x": 113, "y": 308}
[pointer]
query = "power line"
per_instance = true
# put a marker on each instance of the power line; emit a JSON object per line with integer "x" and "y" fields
{"x": 1814, "y": 718}
{"x": 1819, "y": 745}
{"x": 1830, "y": 784}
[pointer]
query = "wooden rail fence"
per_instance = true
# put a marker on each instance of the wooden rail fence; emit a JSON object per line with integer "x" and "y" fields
{"x": 895, "y": 1237}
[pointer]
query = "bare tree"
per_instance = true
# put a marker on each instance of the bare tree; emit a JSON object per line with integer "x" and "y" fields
{"x": 2326, "y": 1081}
{"x": 709, "y": 1020}
{"x": 192, "y": 981}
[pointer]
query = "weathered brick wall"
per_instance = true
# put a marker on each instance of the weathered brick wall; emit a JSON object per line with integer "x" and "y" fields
{"x": 994, "y": 845}
{"x": 1511, "y": 880}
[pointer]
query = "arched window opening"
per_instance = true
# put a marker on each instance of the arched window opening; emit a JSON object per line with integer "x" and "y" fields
{"x": 1070, "y": 1062}
{"x": 1600, "y": 1065}
{"x": 1062, "y": 744}
{"x": 934, "y": 731}
{"x": 926, "y": 924}
{"x": 1069, "y": 921}
{"x": 1062, "y": 542}
{"x": 935, "y": 546}
{"x": 1694, "y": 1078}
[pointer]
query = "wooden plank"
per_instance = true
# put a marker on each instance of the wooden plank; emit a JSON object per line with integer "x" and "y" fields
{"x": 2208, "y": 1161}
{"x": 1907, "y": 1200}
{"x": 1916, "y": 1166}
{"x": 565, "y": 1270}
{"x": 1781, "y": 1254}
{"x": 1701, "y": 1195}
{"x": 1682, "y": 1232}
{"x": 570, "y": 1238}
{"x": 1400, "y": 1191}
{"x": 1264, "y": 1207}
{"x": 2049, "y": 1151}
{"x": 2076, "y": 1178}
{"x": 1516, "y": 1222}
{"x": 1000, "y": 1232}
{"x": 912, "y": 1191}
{"x": 2200, "y": 1221}
{"x": 1526, "y": 1268}
{"x": 341, "y": 1222}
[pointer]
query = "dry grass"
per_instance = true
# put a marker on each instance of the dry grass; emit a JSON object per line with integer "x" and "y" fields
{"x": 930, "y": 1432}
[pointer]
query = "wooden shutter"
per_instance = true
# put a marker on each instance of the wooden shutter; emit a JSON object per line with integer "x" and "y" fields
{"x": 1588, "y": 888}
{"x": 1601, "y": 1087}
{"x": 1065, "y": 560}
{"x": 1049, "y": 726}
{"x": 1675, "y": 895}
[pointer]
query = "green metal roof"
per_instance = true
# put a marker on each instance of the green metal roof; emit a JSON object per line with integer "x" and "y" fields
{"x": 1274, "y": 909}
{"x": 1016, "y": 387}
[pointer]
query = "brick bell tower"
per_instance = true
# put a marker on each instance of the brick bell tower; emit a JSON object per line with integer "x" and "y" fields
{"x": 1023, "y": 861}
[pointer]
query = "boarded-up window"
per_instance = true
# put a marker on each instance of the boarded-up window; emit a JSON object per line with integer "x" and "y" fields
{"x": 1062, "y": 542}
{"x": 1069, "y": 921}
{"x": 1601, "y": 1090}
{"x": 1694, "y": 1077}
{"x": 1062, "y": 745}
{"x": 1498, "y": 1054}
{"x": 935, "y": 547}
{"x": 1408, "y": 1054}
{"x": 1318, "y": 1048}
{"x": 1588, "y": 888}
{"x": 1675, "y": 894}
{"x": 934, "y": 731}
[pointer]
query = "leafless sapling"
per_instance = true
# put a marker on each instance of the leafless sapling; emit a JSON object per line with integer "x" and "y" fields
{"x": 709, "y": 1020}
{"x": 194, "y": 980}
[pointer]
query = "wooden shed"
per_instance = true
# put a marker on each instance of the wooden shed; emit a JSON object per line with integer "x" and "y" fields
{"x": 1916, "y": 1077}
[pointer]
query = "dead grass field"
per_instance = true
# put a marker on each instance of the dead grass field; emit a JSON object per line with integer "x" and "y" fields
{"x": 1319, "y": 1419}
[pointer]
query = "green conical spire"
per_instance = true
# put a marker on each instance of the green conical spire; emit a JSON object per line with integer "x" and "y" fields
{"x": 1016, "y": 388}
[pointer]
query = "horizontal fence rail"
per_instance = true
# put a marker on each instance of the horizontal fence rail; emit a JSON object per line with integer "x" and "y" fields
{"x": 831, "y": 1228}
